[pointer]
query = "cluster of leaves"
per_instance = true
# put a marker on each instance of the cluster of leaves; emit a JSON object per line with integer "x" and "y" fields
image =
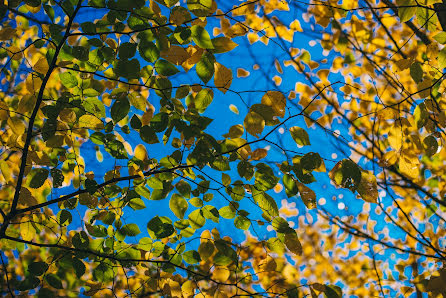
{"x": 73, "y": 84}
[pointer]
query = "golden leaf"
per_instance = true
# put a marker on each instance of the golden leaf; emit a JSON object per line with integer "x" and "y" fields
{"x": 254, "y": 124}
{"x": 91, "y": 122}
{"x": 222, "y": 77}
{"x": 41, "y": 66}
{"x": 308, "y": 195}
{"x": 276, "y": 100}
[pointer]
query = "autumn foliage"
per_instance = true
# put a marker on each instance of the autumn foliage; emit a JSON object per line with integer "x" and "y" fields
{"x": 222, "y": 148}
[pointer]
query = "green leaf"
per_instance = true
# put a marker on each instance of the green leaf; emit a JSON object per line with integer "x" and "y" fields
{"x": 280, "y": 225}
{"x": 80, "y": 240}
{"x": 148, "y": 135}
{"x": 191, "y": 257}
{"x": 275, "y": 245}
{"x": 200, "y": 8}
{"x": 127, "y": 50}
{"x": 37, "y": 268}
{"x": 145, "y": 243}
{"x": 64, "y": 217}
{"x": 416, "y": 72}
{"x": 430, "y": 145}
{"x": 130, "y": 230}
{"x": 68, "y": 79}
{"x": 38, "y": 177}
{"x": 346, "y": 174}
{"x": 210, "y": 212}
{"x": 120, "y": 109}
{"x": 80, "y": 53}
{"x": 404, "y": 12}
{"x": 135, "y": 122}
{"x": 333, "y": 291}
{"x": 293, "y": 243}
{"x": 33, "y": 3}
{"x": 266, "y": 203}
{"x": 128, "y": 69}
{"x": 196, "y": 219}
{"x": 29, "y": 283}
{"x": 159, "y": 228}
{"x": 265, "y": 178}
{"x": 178, "y": 205}
{"x": 79, "y": 267}
{"x": 227, "y": 212}
{"x": 103, "y": 273}
{"x": 96, "y": 57}
{"x": 290, "y": 185}
{"x": 203, "y": 99}
{"x": 201, "y": 37}
{"x": 149, "y": 51}
{"x": 300, "y": 136}
{"x": 163, "y": 88}
{"x": 54, "y": 281}
{"x": 137, "y": 204}
{"x": 165, "y": 68}
{"x": 205, "y": 67}
{"x": 242, "y": 223}
{"x": 225, "y": 255}
{"x": 440, "y": 37}
{"x": 143, "y": 191}
{"x": 442, "y": 58}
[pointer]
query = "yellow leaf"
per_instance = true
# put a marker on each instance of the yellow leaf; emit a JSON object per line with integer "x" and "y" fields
{"x": 27, "y": 231}
{"x": 17, "y": 125}
{"x": 221, "y": 274}
{"x": 222, "y": 77}
{"x": 6, "y": 170}
{"x": 242, "y": 73}
{"x": 396, "y": 137}
{"x": 141, "y": 152}
{"x": 254, "y": 124}
{"x": 233, "y": 109}
{"x": 15, "y": 53}
{"x": 26, "y": 104}
{"x": 368, "y": 188}
{"x": 408, "y": 166}
{"x": 33, "y": 83}
{"x": 90, "y": 122}
{"x": 388, "y": 159}
{"x": 41, "y": 66}
{"x": 307, "y": 195}
{"x": 295, "y": 25}
{"x": 188, "y": 288}
{"x": 176, "y": 55}
{"x": 275, "y": 100}
{"x": 277, "y": 80}
{"x": 223, "y": 44}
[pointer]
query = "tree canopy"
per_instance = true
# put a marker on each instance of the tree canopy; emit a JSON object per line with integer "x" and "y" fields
{"x": 259, "y": 148}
